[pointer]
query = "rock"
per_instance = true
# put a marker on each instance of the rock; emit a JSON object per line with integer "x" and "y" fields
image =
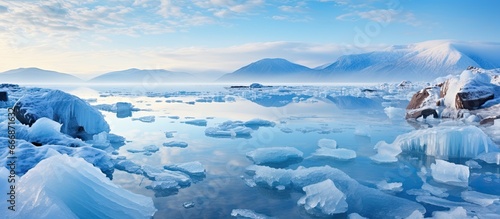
{"x": 420, "y": 104}
{"x": 489, "y": 120}
{"x": 77, "y": 117}
{"x": 414, "y": 114}
{"x": 472, "y": 100}
{"x": 418, "y": 99}
{"x": 3, "y": 96}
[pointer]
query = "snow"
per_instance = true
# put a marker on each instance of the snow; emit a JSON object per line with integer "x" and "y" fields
{"x": 450, "y": 173}
{"x": 443, "y": 141}
{"x": 180, "y": 144}
{"x": 77, "y": 117}
{"x": 274, "y": 155}
{"x": 67, "y": 187}
{"x": 246, "y": 213}
{"x": 194, "y": 168}
{"x": 323, "y": 198}
{"x": 376, "y": 203}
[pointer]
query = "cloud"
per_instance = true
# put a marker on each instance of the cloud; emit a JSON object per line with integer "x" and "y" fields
{"x": 381, "y": 16}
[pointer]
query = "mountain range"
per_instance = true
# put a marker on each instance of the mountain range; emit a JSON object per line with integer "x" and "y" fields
{"x": 417, "y": 62}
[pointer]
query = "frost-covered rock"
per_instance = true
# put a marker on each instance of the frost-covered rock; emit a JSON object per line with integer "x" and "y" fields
{"x": 323, "y": 198}
{"x": 441, "y": 141}
{"x": 376, "y": 204}
{"x": 77, "y": 117}
{"x": 274, "y": 155}
{"x": 450, "y": 173}
{"x": 67, "y": 187}
{"x": 424, "y": 103}
{"x": 194, "y": 168}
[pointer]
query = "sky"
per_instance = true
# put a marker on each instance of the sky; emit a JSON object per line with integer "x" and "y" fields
{"x": 91, "y": 37}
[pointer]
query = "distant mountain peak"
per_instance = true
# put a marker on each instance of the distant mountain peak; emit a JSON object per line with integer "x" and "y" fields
{"x": 34, "y": 75}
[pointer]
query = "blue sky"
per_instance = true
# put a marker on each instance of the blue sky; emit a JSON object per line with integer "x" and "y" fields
{"x": 88, "y": 37}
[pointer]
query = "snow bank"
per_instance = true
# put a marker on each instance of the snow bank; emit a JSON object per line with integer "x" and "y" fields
{"x": 323, "y": 198}
{"x": 376, "y": 204}
{"x": 274, "y": 155}
{"x": 66, "y": 187}
{"x": 77, "y": 117}
{"x": 450, "y": 173}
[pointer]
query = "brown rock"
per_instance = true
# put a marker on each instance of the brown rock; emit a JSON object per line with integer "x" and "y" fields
{"x": 414, "y": 114}
{"x": 418, "y": 99}
{"x": 489, "y": 120}
{"x": 472, "y": 100}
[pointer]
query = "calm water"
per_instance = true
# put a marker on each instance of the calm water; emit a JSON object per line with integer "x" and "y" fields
{"x": 311, "y": 116}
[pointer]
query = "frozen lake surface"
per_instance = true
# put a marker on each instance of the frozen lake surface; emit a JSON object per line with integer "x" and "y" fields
{"x": 209, "y": 151}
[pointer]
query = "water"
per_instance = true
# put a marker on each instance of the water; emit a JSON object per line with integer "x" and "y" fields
{"x": 306, "y": 110}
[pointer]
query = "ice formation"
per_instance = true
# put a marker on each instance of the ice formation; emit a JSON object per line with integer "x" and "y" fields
{"x": 442, "y": 141}
{"x": 67, "y": 187}
{"x": 47, "y": 131}
{"x": 352, "y": 102}
{"x": 229, "y": 129}
{"x": 194, "y": 168}
{"x": 128, "y": 166}
{"x": 323, "y": 198}
{"x": 339, "y": 153}
{"x": 377, "y": 204}
{"x": 197, "y": 122}
{"x": 491, "y": 157}
{"x": 395, "y": 113}
{"x": 249, "y": 214}
{"x": 77, "y": 117}
{"x": 147, "y": 119}
{"x": 479, "y": 198}
{"x": 179, "y": 144}
{"x": 450, "y": 173}
{"x": 327, "y": 143}
{"x": 258, "y": 123}
{"x": 394, "y": 186}
{"x": 274, "y": 155}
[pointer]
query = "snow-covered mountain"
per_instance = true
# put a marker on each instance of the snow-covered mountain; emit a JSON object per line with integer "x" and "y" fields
{"x": 270, "y": 70}
{"x": 142, "y": 76}
{"x": 36, "y": 76}
{"x": 419, "y": 61}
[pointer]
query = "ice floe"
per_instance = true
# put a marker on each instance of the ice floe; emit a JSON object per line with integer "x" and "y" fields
{"x": 323, "y": 198}
{"x": 450, "y": 173}
{"x": 180, "y": 144}
{"x": 194, "y": 168}
{"x": 275, "y": 155}
{"x": 67, "y": 187}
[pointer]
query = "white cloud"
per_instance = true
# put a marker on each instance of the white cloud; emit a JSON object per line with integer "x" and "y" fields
{"x": 382, "y": 16}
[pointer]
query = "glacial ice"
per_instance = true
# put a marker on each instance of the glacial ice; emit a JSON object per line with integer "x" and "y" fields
{"x": 274, "y": 155}
{"x": 327, "y": 143}
{"x": 194, "y": 168}
{"x": 67, "y": 187}
{"x": 491, "y": 157}
{"x": 47, "y": 131}
{"x": 179, "y": 144}
{"x": 248, "y": 214}
{"x": 77, "y": 117}
{"x": 395, "y": 113}
{"x": 443, "y": 141}
{"x": 323, "y": 198}
{"x": 377, "y": 204}
{"x": 450, "y": 173}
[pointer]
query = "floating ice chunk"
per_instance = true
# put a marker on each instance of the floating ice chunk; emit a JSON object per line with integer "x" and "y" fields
{"x": 163, "y": 185}
{"x": 47, "y": 131}
{"x": 340, "y": 153}
{"x": 197, "y": 122}
{"x": 362, "y": 131}
{"x": 160, "y": 174}
{"x": 170, "y": 134}
{"x": 376, "y": 204}
{"x": 327, "y": 143}
{"x": 173, "y": 117}
{"x": 473, "y": 164}
{"x": 479, "y": 198}
{"x": 491, "y": 157}
{"x": 286, "y": 130}
{"x": 180, "y": 144}
{"x": 151, "y": 148}
{"x": 123, "y": 109}
{"x": 395, "y": 186}
{"x": 259, "y": 123}
{"x": 229, "y": 129}
{"x": 128, "y": 166}
{"x": 456, "y": 213}
{"x": 357, "y": 216}
{"x": 386, "y": 153}
{"x": 194, "y": 168}
{"x": 395, "y": 113}
{"x": 246, "y": 213}
{"x": 147, "y": 119}
{"x": 67, "y": 187}
{"x": 416, "y": 215}
{"x": 188, "y": 204}
{"x": 442, "y": 141}
{"x": 450, "y": 173}
{"x": 274, "y": 155}
{"x": 323, "y": 198}
{"x": 77, "y": 117}
{"x": 437, "y": 191}
{"x": 352, "y": 102}
{"x": 100, "y": 140}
